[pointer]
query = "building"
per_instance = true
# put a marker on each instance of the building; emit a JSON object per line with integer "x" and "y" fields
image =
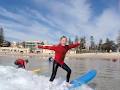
{"x": 14, "y": 44}
{"x": 14, "y": 50}
{"x": 6, "y": 44}
{"x": 32, "y": 44}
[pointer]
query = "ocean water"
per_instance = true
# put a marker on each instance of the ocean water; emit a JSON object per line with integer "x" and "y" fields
{"x": 20, "y": 79}
{"x": 108, "y": 73}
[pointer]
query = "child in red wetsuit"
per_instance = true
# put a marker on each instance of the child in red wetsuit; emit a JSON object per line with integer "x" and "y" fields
{"x": 21, "y": 63}
{"x": 60, "y": 52}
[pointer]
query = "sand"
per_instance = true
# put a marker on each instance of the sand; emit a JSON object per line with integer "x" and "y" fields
{"x": 114, "y": 55}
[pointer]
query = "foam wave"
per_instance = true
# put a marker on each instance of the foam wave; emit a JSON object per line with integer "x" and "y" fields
{"x": 20, "y": 79}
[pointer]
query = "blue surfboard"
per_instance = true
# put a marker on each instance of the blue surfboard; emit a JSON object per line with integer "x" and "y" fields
{"x": 84, "y": 79}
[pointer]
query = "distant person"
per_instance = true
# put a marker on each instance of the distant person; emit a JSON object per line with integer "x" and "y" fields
{"x": 114, "y": 60}
{"x": 21, "y": 63}
{"x": 60, "y": 52}
{"x": 50, "y": 59}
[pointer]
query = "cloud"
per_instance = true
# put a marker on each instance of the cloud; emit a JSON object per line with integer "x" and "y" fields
{"x": 29, "y": 28}
{"x": 107, "y": 25}
{"x": 76, "y": 18}
{"x": 70, "y": 17}
{"x": 57, "y": 18}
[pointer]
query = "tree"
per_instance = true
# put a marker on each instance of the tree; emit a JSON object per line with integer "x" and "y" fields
{"x": 83, "y": 42}
{"x": 6, "y": 43}
{"x": 1, "y": 37}
{"x": 92, "y": 43}
{"x": 109, "y": 45}
{"x": 70, "y": 41}
{"x": 42, "y": 43}
{"x": 100, "y": 45}
{"x": 118, "y": 39}
{"x": 76, "y": 39}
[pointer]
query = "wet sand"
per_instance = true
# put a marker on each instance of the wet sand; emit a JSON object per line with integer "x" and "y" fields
{"x": 97, "y": 55}
{"x": 82, "y": 55}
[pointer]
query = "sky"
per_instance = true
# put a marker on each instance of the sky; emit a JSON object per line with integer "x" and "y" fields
{"x": 24, "y": 20}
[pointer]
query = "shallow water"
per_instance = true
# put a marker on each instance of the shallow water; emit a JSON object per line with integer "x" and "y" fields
{"x": 108, "y": 71}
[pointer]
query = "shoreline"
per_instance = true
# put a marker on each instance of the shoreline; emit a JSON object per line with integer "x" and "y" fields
{"x": 97, "y": 56}
{"x": 114, "y": 55}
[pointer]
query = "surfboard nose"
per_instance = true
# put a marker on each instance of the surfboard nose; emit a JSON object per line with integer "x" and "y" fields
{"x": 85, "y": 78}
{"x": 93, "y": 72}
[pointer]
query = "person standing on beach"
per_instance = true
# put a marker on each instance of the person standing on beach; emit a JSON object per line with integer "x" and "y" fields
{"x": 60, "y": 52}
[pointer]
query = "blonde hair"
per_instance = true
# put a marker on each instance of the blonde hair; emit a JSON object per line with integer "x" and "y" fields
{"x": 63, "y": 37}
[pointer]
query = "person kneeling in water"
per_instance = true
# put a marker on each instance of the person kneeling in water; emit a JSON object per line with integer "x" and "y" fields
{"x": 60, "y": 52}
{"x": 21, "y": 63}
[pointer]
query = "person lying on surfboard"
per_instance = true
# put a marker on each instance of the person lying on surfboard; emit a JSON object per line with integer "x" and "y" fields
{"x": 60, "y": 52}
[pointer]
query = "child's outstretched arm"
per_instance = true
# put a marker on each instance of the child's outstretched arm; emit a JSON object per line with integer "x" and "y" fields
{"x": 74, "y": 45}
{"x": 47, "y": 47}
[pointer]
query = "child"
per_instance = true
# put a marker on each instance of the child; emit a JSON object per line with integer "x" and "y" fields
{"x": 21, "y": 63}
{"x": 60, "y": 52}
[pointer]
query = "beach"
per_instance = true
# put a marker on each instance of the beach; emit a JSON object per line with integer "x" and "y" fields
{"x": 115, "y": 55}
{"x": 97, "y": 55}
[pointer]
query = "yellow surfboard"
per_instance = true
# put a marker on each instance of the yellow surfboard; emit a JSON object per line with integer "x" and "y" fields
{"x": 36, "y": 70}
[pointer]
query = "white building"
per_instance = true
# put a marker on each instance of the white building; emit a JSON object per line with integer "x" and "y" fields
{"x": 32, "y": 44}
{"x": 14, "y": 50}
{"x": 14, "y": 44}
